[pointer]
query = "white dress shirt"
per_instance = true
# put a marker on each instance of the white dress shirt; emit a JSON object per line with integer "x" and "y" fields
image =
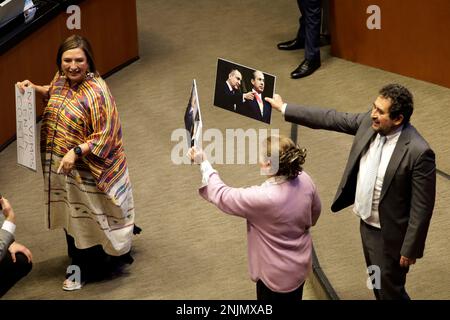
{"x": 388, "y": 149}
{"x": 283, "y": 108}
{"x": 9, "y": 226}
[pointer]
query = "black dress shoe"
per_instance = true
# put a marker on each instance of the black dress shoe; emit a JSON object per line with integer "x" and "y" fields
{"x": 291, "y": 45}
{"x": 306, "y": 68}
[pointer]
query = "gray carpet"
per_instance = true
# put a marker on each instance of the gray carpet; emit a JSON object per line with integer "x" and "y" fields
{"x": 188, "y": 249}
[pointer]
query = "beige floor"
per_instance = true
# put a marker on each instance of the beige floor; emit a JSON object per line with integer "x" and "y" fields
{"x": 188, "y": 249}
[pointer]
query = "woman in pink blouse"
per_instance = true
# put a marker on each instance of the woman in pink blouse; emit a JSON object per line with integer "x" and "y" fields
{"x": 279, "y": 214}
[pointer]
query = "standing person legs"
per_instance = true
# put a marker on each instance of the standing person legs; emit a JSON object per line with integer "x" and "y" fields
{"x": 91, "y": 261}
{"x": 263, "y": 293}
{"x": 310, "y": 32}
{"x": 392, "y": 275}
{"x": 311, "y": 11}
{"x": 94, "y": 263}
{"x": 299, "y": 41}
{"x": 301, "y": 25}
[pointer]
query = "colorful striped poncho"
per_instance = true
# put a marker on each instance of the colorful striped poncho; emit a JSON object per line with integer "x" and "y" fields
{"x": 94, "y": 203}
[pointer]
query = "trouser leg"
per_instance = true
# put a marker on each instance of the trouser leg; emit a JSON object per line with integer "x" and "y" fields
{"x": 389, "y": 283}
{"x": 11, "y": 272}
{"x": 263, "y": 293}
{"x": 311, "y": 18}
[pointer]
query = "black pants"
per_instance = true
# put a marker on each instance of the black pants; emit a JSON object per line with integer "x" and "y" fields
{"x": 392, "y": 275}
{"x": 94, "y": 263}
{"x": 265, "y": 294}
{"x": 309, "y": 29}
{"x": 11, "y": 272}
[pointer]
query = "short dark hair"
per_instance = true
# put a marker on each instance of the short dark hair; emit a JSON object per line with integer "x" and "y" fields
{"x": 254, "y": 74}
{"x": 233, "y": 70}
{"x": 401, "y": 101}
{"x": 73, "y": 42}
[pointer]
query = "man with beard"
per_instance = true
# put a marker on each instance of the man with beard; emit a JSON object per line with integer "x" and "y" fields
{"x": 390, "y": 178}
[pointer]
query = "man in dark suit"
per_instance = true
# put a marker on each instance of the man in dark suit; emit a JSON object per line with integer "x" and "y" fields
{"x": 228, "y": 94}
{"x": 396, "y": 211}
{"x": 308, "y": 37}
{"x": 15, "y": 259}
{"x": 257, "y": 108}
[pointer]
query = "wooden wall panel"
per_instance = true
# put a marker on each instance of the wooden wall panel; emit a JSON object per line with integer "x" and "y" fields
{"x": 111, "y": 27}
{"x": 413, "y": 39}
{"x": 32, "y": 59}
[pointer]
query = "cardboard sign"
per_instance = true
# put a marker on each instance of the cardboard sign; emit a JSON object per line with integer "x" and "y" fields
{"x": 26, "y": 128}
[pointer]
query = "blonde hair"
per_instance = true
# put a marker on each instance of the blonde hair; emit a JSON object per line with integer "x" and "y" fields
{"x": 290, "y": 156}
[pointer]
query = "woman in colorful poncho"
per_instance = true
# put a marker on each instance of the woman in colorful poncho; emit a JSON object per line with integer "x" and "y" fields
{"x": 87, "y": 185}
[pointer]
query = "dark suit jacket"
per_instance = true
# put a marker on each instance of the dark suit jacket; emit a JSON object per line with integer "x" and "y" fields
{"x": 189, "y": 123}
{"x": 409, "y": 186}
{"x": 6, "y": 238}
{"x": 226, "y": 98}
{"x": 250, "y": 108}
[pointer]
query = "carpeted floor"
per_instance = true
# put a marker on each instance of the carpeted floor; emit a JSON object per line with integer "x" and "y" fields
{"x": 188, "y": 249}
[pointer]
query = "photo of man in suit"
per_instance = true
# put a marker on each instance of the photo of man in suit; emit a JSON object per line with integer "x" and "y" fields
{"x": 192, "y": 117}
{"x": 189, "y": 118}
{"x": 390, "y": 177}
{"x": 257, "y": 108}
{"x": 228, "y": 94}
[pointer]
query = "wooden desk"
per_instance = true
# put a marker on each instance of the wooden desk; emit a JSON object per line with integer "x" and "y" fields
{"x": 109, "y": 25}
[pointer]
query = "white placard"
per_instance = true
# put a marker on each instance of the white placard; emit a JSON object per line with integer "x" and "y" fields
{"x": 26, "y": 128}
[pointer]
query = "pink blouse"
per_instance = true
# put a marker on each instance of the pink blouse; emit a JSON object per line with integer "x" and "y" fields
{"x": 279, "y": 214}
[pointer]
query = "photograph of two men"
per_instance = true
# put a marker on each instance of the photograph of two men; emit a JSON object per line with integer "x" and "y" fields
{"x": 242, "y": 90}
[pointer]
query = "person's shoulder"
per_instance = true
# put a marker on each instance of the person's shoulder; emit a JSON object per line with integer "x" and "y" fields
{"x": 305, "y": 178}
{"x": 418, "y": 142}
{"x": 96, "y": 85}
{"x": 97, "y": 81}
{"x": 58, "y": 80}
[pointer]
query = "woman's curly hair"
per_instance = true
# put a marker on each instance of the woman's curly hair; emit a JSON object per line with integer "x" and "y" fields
{"x": 290, "y": 156}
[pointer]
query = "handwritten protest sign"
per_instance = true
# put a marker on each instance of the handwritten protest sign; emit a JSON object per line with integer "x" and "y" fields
{"x": 26, "y": 128}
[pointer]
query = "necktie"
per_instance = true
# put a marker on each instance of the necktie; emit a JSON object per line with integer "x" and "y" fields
{"x": 366, "y": 185}
{"x": 258, "y": 98}
{"x": 260, "y": 103}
